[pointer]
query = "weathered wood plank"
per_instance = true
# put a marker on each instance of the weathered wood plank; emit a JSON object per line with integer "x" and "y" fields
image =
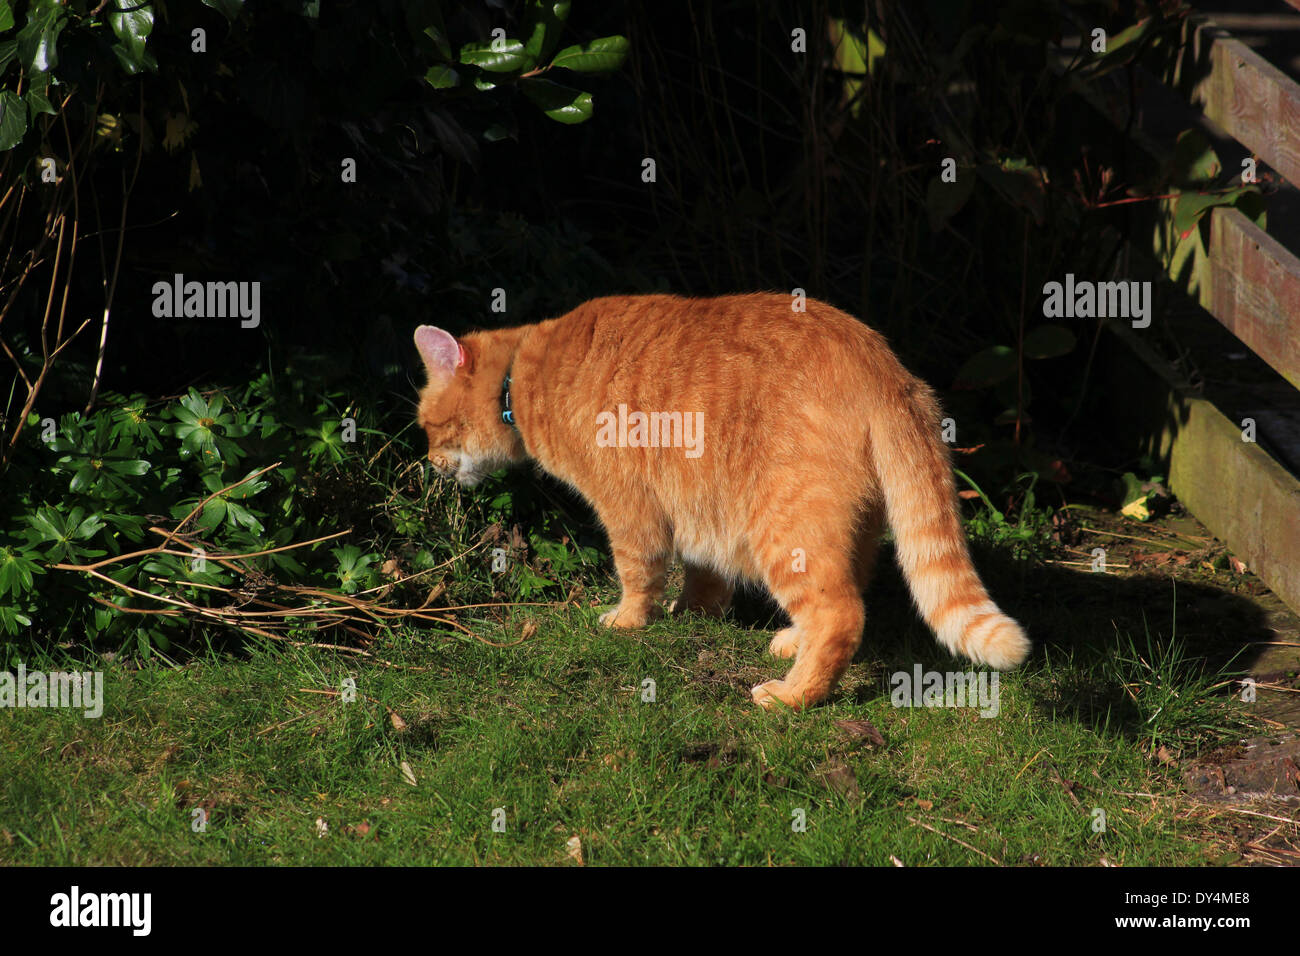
{"x": 1253, "y": 101}
{"x": 1234, "y": 487}
{"x": 1254, "y": 290}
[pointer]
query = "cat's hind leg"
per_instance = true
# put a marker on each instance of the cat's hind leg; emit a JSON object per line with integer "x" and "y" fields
{"x": 704, "y": 592}
{"x": 785, "y": 643}
{"x": 823, "y": 599}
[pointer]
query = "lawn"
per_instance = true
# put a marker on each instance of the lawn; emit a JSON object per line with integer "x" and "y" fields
{"x": 536, "y": 741}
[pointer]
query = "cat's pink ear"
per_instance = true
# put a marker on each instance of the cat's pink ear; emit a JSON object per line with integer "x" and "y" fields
{"x": 441, "y": 353}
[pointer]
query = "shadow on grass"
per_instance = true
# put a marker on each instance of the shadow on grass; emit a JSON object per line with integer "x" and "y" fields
{"x": 1093, "y": 633}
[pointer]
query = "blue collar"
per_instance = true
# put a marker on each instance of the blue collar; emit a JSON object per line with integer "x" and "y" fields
{"x": 507, "y": 413}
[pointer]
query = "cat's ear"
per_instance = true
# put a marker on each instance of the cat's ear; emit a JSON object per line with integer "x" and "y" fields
{"x": 439, "y": 350}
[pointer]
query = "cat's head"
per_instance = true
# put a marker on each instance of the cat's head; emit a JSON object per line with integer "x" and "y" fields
{"x": 460, "y": 408}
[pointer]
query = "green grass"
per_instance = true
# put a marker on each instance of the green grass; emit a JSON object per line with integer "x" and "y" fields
{"x": 554, "y": 730}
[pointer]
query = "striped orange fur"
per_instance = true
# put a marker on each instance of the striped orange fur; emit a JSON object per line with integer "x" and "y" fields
{"x": 811, "y": 436}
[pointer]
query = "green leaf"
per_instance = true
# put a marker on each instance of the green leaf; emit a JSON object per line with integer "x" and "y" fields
{"x": 442, "y": 77}
{"x": 1048, "y": 341}
{"x": 561, "y": 103}
{"x": 214, "y": 512}
{"x": 1189, "y": 207}
{"x": 425, "y": 17}
{"x": 86, "y": 528}
{"x": 1194, "y": 160}
{"x": 16, "y": 572}
{"x": 13, "y": 120}
{"x": 507, "y": 57}
{"x": 83, "y": 479}
{"x": 1120, "y": 48}
{"x": 227, "y": 8}
{"x": 6, "y": 16}
{"x": 132, "y": 23}
{"x": 133, "y": 467}
{"x": 598, "y": 56}
{"x": 8, "y": 50}
{"x": 39, "y": 37}
{"x": 544, "y": 22}
{"x": 37, "y": 102}
{"x": 440, "y": 43}
{"x": 988, "y": 367}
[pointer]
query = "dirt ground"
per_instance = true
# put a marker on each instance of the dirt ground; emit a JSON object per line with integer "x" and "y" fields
{"x": 1252, "y": 786}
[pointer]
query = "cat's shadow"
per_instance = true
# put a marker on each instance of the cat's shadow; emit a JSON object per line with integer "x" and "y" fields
{"x": 1087, "y": 617}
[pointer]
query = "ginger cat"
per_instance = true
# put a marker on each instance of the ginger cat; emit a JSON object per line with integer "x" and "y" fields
{"x": 751, "y": 441}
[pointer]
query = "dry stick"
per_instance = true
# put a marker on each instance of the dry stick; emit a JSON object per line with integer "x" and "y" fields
{"x": 200, "y": 506}
{"x": 376, "y": 612}
{"x": 252, "y": 554}
{"x": 225, "y": 615}
{"x": 926, "y": 826}
{"x": 451, "y": 560}
{"x": 48, "y": 357}
{"x": 1252, "y": 813}
{"x": 334, "y": 693}
{"x": 1116, "y": 534}
{"x": 286, "y": 723}
{"x": 111, "y": 284}
{"x": 134, "y": 610}
{"x": 121, "y": 557}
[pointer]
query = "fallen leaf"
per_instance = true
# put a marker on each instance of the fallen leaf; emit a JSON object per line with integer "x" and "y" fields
{"x": 838, "y": 777}
{"x": 574, "y": 849}
{"x": 1237, "y": 564}
{"x": 1163, "y": 755}
{"x": 925, "y": 804}
{"x": 614, "y": 761}
{"x": 396, "y": 720}
{"x": 407, "y": 773}
{"x": 528, "y": 630}
{"x": 896, "y": 861}
{"x": 861, "y": 728}
{"x": 322, "y": 827}
{"x": 713, "y": 753}
{"x": 1136, "y": 510}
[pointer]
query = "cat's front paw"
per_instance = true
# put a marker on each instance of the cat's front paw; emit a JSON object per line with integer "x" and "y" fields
{"x": 785, "y": 643}
{"x": 766, "y": 695}
{"x": 624, "y": 617}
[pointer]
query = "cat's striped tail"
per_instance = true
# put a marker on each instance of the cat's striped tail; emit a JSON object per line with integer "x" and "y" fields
{"x": 915, "y": 471}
